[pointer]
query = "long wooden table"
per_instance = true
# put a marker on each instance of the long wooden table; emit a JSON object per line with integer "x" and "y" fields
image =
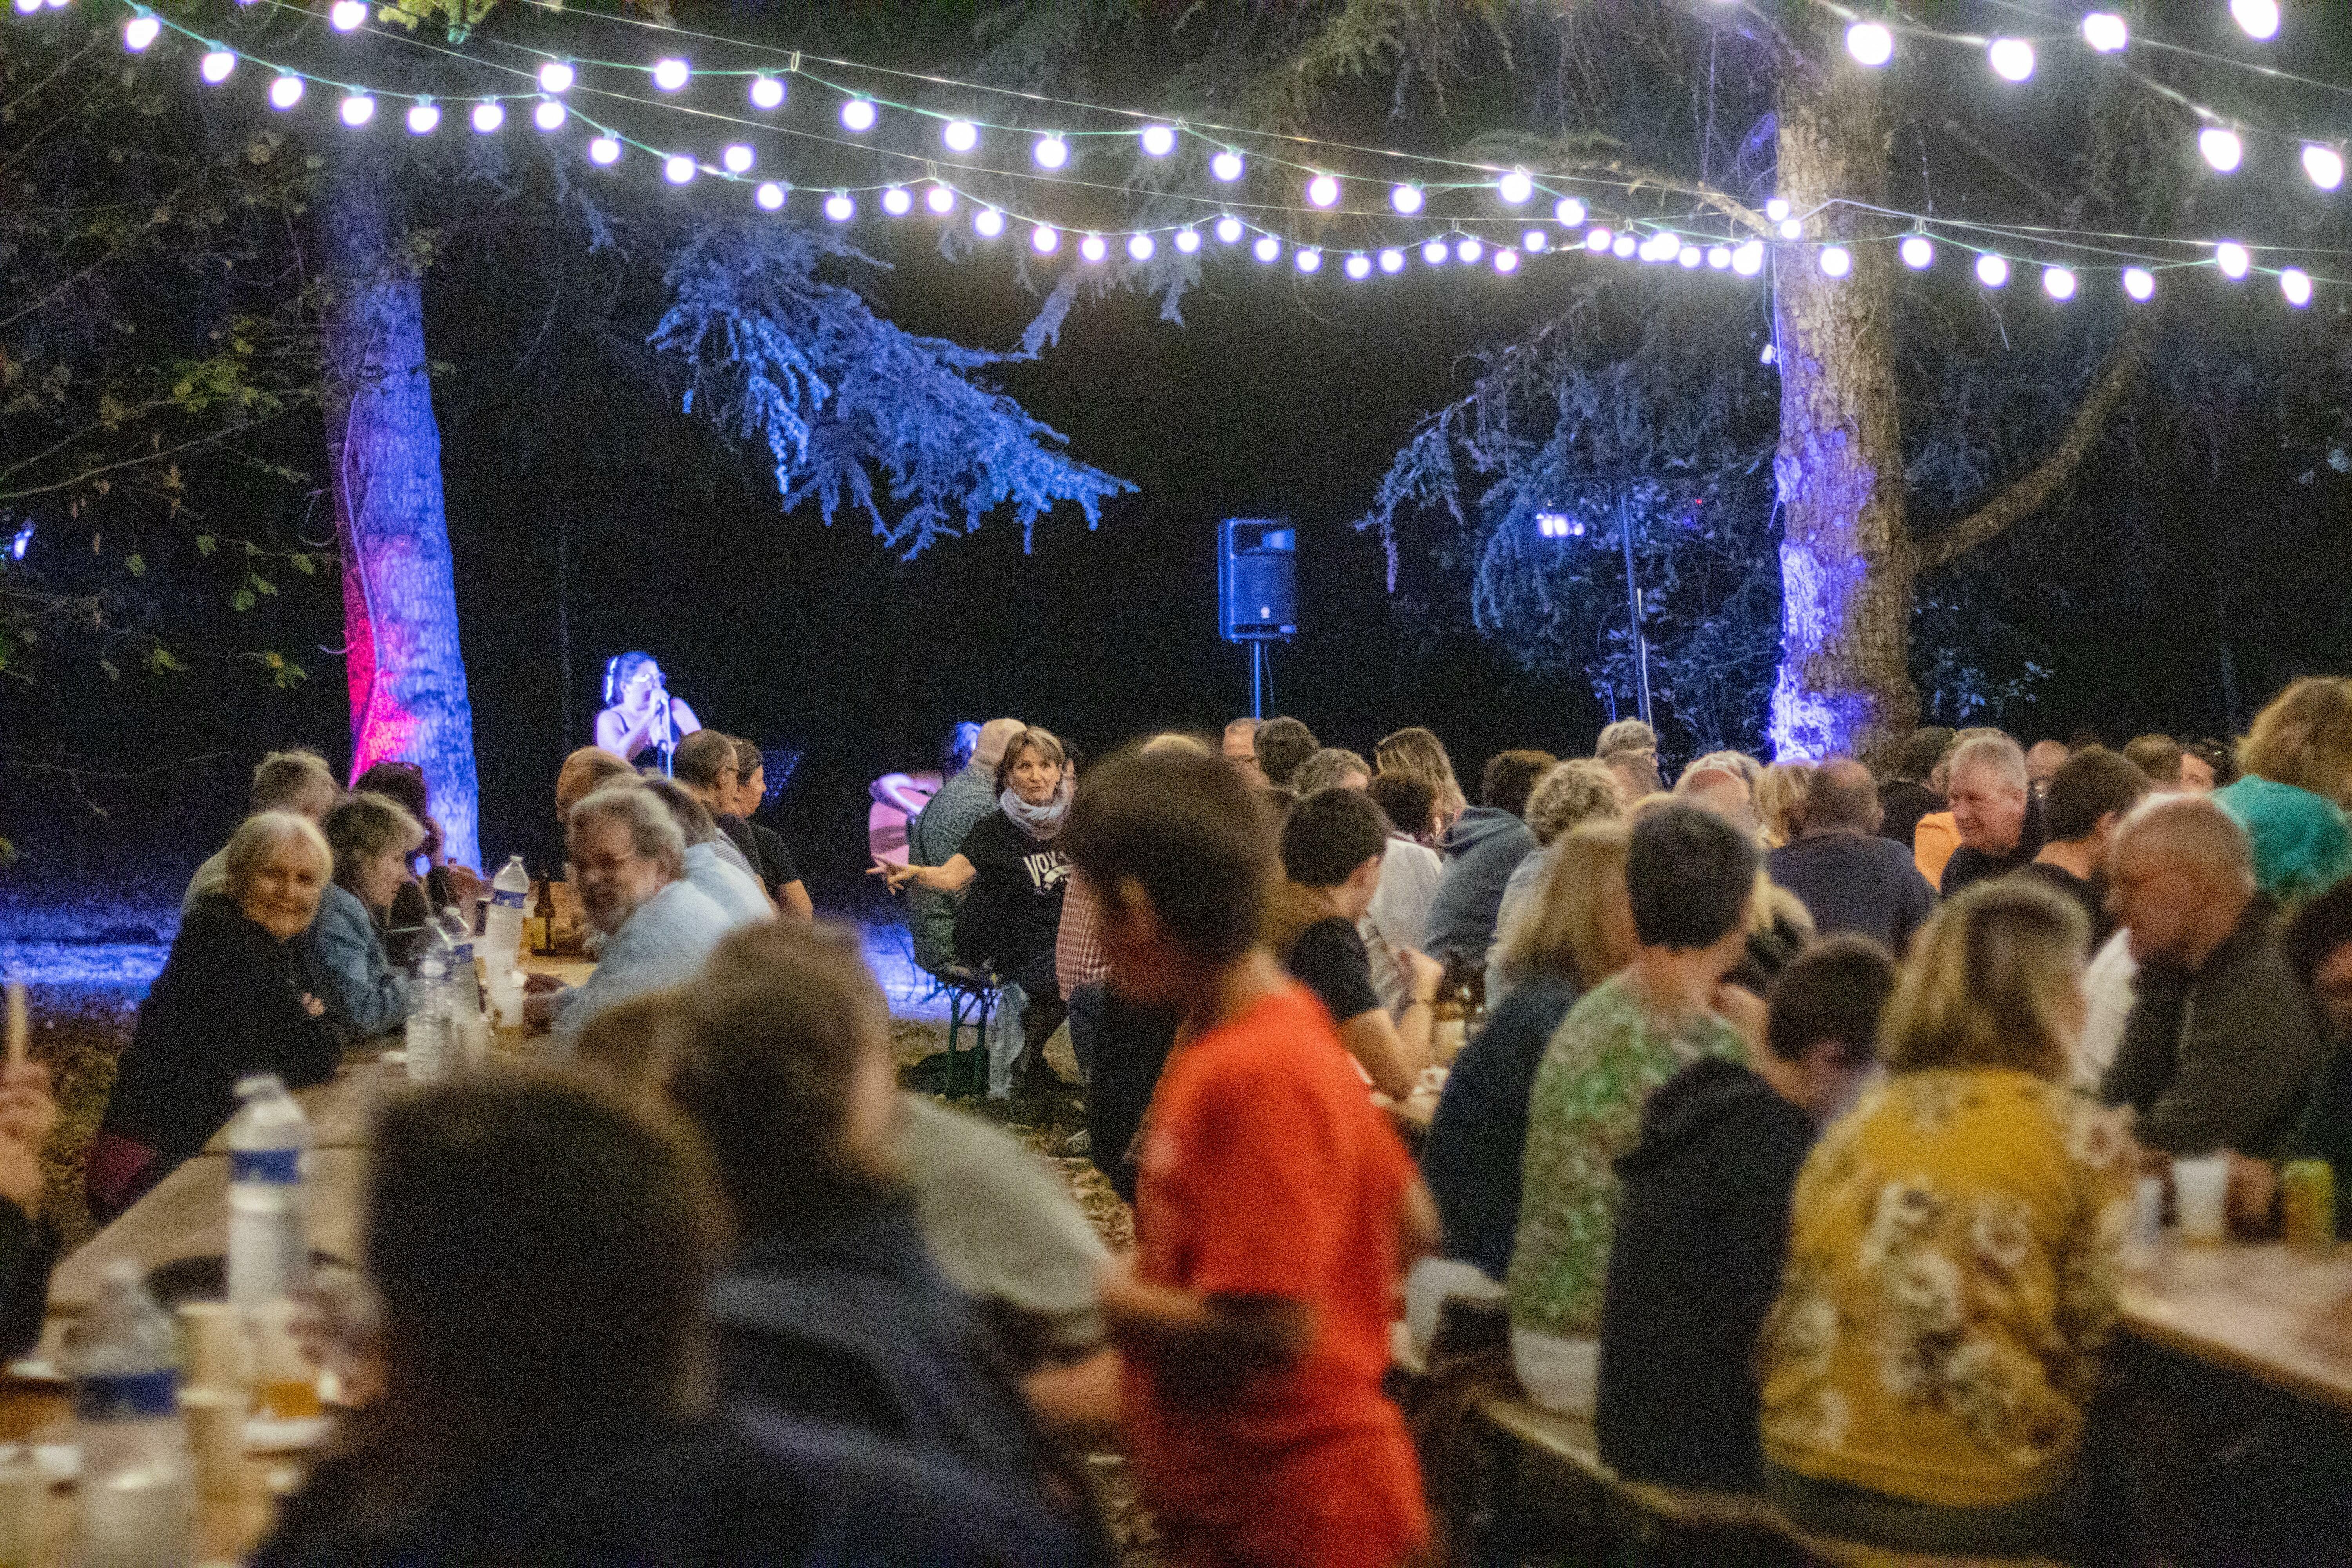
{"x": 2261, "y": 1311}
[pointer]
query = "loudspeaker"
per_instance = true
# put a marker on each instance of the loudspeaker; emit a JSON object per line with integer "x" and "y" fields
{"x": 1258, "y": 580}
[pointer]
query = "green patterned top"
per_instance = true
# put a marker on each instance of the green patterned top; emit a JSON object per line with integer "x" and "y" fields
{"x": 1603, "y": 1062}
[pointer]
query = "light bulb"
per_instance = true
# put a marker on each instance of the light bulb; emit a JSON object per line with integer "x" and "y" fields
{"x": 1188, "y": 240}
{"x": 960, "y": 135}
{"x": 897, "y": 202}
{"x": 346, "y": 16}
{"x": 424, "y": 119}
{"x": 1309, "y": 259}
{"x": 1689, "y": 259}
{"x": 767, "y": 92}
{"x": 1718, "y": 257}
{"x": 1534, "y": 239}
{"x": 988, "y": 223}
{"x": 1323, "y": 190}
{"x": 27, "y": 8}
{"x": 1793, "y": 229}
{"x": 670, "y": 75}
{"x": 1918, "y": 252}
{"x": 2323, "y": 163}
{"x": 769, "y": 196}
{"x": 678, "y": 168}
{"x": 2222, "y": 148}
{"x": 1515, "y": 188}
{"x": 1836, "y": 260}
{"x": 2232, "y": 259}
{"x": 1268, "y": 248}
{"x": 489, "y": 117}
{"x": 1391, "y": 260}
{"x": 2260, "y": 19}
{"x": 1139, "y": 247}
{"x": 736, "y": 159}
{"x": 2139, "y": 283}
{"x": 1159, "y": 141}
{"x": 1437, "y": 253}
{"x": 1229, "y": 230}
{"x": 1568, "y": 211}
{"x": 2105, "y": 32}
{"x": 1405, "y": 199}
{"x": 1870, "y": 43}
{"x": 556, "y": 77}
{"x": 1469, "y": 250}
{"x": 218, "y": 64}
{"x": 357, "y": 109}
{"x": 1045, "y": 240}
{"x": 1748, "y": 259}
{"x": 940, "y": 199}
{"x": 2295, "y": 284}
{"x": 604, "y": 150}
{"x": 1093, "y": 248}
{"x": 1050, "y": 151}
{"x": 1226, "y": 165}
{"x": 2058, "y": 282}
{"x": 839, "y": 208}
{"x": 1359, "y": 267}
{"x": 1669, "y": 245}
{"x": 1599, "y": 239}
{"x": 2013, "y": 58}
{"x": 1624, "y": 245}
{"x": 138, "y": 32}
{"x": 1992, "y": 271}
{"x": 857, "y": 114}
{"x": 548, "y": 115}
{"x": 1776, "y": 210}
{"x": 286, "y": 92}
{"x": 1506, "y": 261}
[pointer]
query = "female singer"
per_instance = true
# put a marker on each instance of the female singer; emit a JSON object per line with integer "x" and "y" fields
{"x": 642, "y": 713}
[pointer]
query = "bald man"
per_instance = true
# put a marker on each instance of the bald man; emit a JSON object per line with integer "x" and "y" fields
{"x": 2221, "y": 1043}
{"x": 937, "y": 833}
{"x": 1847, "y": 876}
{"x": 1721, "y": 793}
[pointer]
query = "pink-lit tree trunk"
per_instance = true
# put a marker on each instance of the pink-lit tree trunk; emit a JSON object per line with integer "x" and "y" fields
{"x": 400, "y": 604}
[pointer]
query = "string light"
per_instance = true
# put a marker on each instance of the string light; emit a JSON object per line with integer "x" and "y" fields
{"x": 2323, "y": 164}
{"x": 1992, "y": 271}
{"x": 1229, "y": 230}
{"x": 139, "y": 31}
{"x": 1776, "y": 210}
{"x": 1139, "y": 247}
{"x": 2106, "y": 32}
{"x": 2220, "y": 147}
{"x": 2139, "y": 283}
{"x": 556, "y": 77}
{"x": 1569, "y": 212}
{"x": 1535, "y": 239}
{"x": 1623, "y": 248}
{"x": 347, "y": 15}
{"x": 1870, "y": 43}
{"x": 1391, "y": 261}
{"x": 940, "y": 199}
{"x": 1836, "y": 260}
{"x": 2013, "y": 58}
{"x": 1688, "y": 258}
{"x": 1050, "y": 152}
{"x": 1405, "y": 199}
{"x": 1918, "y": 252}
{"x": 678, "y": 168}
{"x": 1309, "y": 259}
{"x": 1159, "y": 141}
{"x": 1793, "y": 229}
{"x": 1093, "y": 248}
{"x": 1359, "y": 267}
{"x": 767, "y": 92}
{"x": 1188, "y": 240}
{"x": 736, "y": 159}
{"x": 1268, "y": 248}
{"x": 489, "y": 117}
{"x": 2260, "y": 19}
{"x": 1506, "y": 261}
{"x": 548, "y": 115}
{"x": 1515, "y": 188}
{"x": 217, "y": 63}
{"x": 959, "y": 135}
{"x": 605, "y": 151}
{"x": 2232, "y": 259}
{"x": 840, "y": 207}
{"x": 357, "y": 109}
{"x": 1045, "y": 239}
{"x": 1469, "y": 250}
{"x": 897, "y": 202}
{"x": 769, "y": 196}
{"x": 1323, "y": 190}
{"x": 2058, "y": 282}
{"x": 27, "y": 8}
{"x": 857, "y": 114}
{"x": 988, "y": 223}
{"x": 1435, "y": 253}
{"x": 286, "y": 92}
{"x": 424, "y": 119}
{"x": 1599, "y": 239}
{"x": 670, "y": 75}
{"x": 1718, "y": 257}
{"x": 1226, "y": 166}
{"x": 1748, "y": 259}
{"x": 2295, "y": 284}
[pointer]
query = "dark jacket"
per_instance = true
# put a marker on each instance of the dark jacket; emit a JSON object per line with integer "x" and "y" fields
{"x": 1482, "y": 849}
{"x": 227, "y": 1003}
{"x": 2221, "y": 1059}
{"x": 1478, "y": 1138}
{"x": 2323, "y": 1131}
{"x": 763, "y": 1491}
{"x": 1131, "y": 1045}
{"x": 1702, "y": 1230}
{"x": 1969, "y": 867}
{"x": 1905, "y": 802}
{"x": 1850, "y": 882}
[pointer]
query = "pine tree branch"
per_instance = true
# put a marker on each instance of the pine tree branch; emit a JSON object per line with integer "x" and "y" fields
{"x": 2026, "y": 497}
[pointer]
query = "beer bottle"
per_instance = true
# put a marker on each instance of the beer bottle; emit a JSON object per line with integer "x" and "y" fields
{"x": 542, "y": 928}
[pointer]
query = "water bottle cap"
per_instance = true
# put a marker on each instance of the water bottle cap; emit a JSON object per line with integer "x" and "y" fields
{"x": 260, "y": 1083}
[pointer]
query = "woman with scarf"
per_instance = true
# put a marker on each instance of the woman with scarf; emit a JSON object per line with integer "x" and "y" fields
{"x": 1017, "y": 873}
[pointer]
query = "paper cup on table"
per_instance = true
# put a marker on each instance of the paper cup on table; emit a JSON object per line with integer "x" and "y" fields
{"x": 24, "y": 1507}
{"x": 219, "y": 1352}
{"x": 216, "y": 1419}
{"x": 2200, "y": 1193}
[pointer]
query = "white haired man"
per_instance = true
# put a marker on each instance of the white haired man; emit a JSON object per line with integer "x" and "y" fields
{"x": 1993, "y": 808}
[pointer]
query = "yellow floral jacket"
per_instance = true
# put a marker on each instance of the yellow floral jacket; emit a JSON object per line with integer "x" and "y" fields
{"x": 1950, "y": 1284}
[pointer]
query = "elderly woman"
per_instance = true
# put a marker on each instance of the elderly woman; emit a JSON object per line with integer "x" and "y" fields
{"x": 231, "y": 1000}
{"x": 372, "y": 840}
{"x": 2297, "y": 762}
{"x": 1017, "y": 874}
{"x": 446, "y": 884}
{"x": 1952, "y": 1261}
{"x": 1779, "y": 801}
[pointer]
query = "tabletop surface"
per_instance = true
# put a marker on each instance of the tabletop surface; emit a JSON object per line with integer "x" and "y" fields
{"x": 2272, "y": 1314}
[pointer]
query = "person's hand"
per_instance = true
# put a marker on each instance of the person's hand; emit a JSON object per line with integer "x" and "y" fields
{"x": 1422, "y": 973}
{"x": 539, "y": 1010}
{"x": 312, "y": 1005}
{"x": 2253, "y": 1185}
{"x": 1742, "y": 1010}
{"x": 433, "y": 851}
{"x": 896, "y": 877}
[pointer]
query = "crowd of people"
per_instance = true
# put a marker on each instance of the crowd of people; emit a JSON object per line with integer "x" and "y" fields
{"x": 1795, "y": 1139}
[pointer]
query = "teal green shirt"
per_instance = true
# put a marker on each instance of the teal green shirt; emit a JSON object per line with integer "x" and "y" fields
{"x": 2301, "y": 845}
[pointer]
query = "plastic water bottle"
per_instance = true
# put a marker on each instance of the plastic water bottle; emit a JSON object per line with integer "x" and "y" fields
{"x": 502, "y": 931}
{"x": 427, "y": 1033}
{"x": 268, "y": 1253}
{"x": 136, "y": 1472}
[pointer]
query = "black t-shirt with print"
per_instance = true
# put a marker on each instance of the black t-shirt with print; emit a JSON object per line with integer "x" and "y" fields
{"x": 1014, "y": 910}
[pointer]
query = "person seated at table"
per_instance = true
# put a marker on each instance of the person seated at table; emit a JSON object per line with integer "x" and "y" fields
{"x": 372, "y": 840}
{"x": 585, "y": 770}
{"x": 28, "y": 1245}
{"x": 1331, "y": 845}
{"x": 1571, "y": 794}
{"x": 1419, "y": 754}
{"x": 2086, "y": 800}
{"x": 724, "y": 883}
{"x": 1015, "y": 872}
{"x": 1994, "y": 811}
{"x": 778, "y": 872}
{"x": 1781, "y": 801}
{"x": 1276, "y": 1206}
{"x": 296, "y": 781}
{"x": 1281, "y": 745}
{"x": 2318, "y": 945}
{"x": 1579, "y": 932}
{"x": 1847, "y": 876}
{"x": 542, "y": 1252}
{"x": 963, "y": 802}
{"x": 1953, "y": 1256}
{"x": 447, "y": 886}
{"x": 1906, "y": 797}
{"x": 233, "y": 1000}
{"x": 1628, "y": 750}
{"x": 1703, "y": 1225}
{"x": 1410, "y": 871}
{"x": 1482, "y": 849}
{"x": 705, "y": 766}
{"x": 833, "y": 1309}
{"x": 628, "y": 860}
{"x": 2221, "y": 1043}
{"x": 1689, "y": 878}
{"x": 1333, "y": 767}
{"x": 2296, "y": 768}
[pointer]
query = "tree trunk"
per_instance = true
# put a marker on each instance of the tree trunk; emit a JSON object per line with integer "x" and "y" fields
{"x": 400, "y": 603}
{"x": 1846, "y": 561}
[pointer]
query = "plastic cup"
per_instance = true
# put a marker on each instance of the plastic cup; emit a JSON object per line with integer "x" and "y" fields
{"x": 215, "y": 1418}
{"x": 2200, "y": 1195}
{"x": 219, "y": 1353}
{"x": 24, "y": 1508}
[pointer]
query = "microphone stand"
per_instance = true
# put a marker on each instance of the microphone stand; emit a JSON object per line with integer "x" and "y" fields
{"x": 667, "y": 738}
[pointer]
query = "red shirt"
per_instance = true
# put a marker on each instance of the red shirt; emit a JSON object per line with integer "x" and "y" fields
{"x": 1267, "y": 1171}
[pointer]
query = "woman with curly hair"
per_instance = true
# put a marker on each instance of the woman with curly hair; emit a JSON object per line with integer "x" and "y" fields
{"x": 2297, "y": 762}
